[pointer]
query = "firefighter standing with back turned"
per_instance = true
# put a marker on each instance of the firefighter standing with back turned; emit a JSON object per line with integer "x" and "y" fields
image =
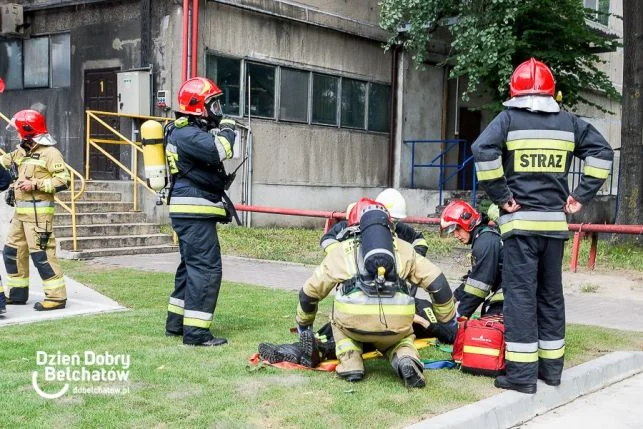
{"x": 198, "y": 141}
{"x": 522, "y": 160}
{"x": 41, "y": 172}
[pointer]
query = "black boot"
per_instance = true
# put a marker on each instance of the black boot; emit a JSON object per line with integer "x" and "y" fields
{"x": 213, "y": 342}
{"x": 410, "y": 371}
{"x": 310, "y": 353}
{"x": 503, "y": 383}
{"x": 289, "y": 353}
{"x": 173, "y": 334}
{"x": 352, "y": 376}
{"x": 268, "y": 352}
{"x": 550, "y": 381}
{"x": 3, "y": 302}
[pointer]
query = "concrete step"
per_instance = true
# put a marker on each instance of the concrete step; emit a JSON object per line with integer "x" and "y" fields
{"x": 111, "y": 241}
{"x": 108, "y": 185}
{"x": 109, "y": 229}
{"x": 64, "y": 218}
{"x": 98, "y": 207}
{"x": 92, "y": 196}
{"x": 116, "y": 251}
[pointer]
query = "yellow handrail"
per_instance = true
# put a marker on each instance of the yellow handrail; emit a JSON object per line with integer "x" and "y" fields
{"x": 93, "y": 142}
{"x": 74, "y": 196}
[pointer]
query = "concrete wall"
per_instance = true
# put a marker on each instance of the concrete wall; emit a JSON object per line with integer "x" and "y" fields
{"x": 103, "y": 35}
{"x": 423, "y": 102}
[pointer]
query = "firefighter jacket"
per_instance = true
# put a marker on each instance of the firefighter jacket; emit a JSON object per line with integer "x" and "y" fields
{"x": 195, "y": 159}
{"x": 404, "y": 231}
{"x": 526, "y": 155}
{"x": 45, "y": 165}
{"x": 485, "y": 276}
{"x": 360, "y": 313}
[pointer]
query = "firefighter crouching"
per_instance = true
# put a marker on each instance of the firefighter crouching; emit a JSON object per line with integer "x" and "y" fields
{"x": 483, "y": 282}
{"x": 372, "y": 303}
{"x": 198, "y": 141}
{"x": 40, "y": 172}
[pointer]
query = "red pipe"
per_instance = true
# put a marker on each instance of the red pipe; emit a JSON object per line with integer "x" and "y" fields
{"x": 184, "y": 55}
{"x": 619, "y": 229}
{"x": 575, "y": 248}
{"x": 195, "y": 35}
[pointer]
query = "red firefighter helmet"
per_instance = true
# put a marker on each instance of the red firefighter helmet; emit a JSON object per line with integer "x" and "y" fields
{"x": 362, "y": 206}
{"x": 532, "y": 78}
{"x": 459, "y": 213}
{"x": 195, "y": 94}
{"x": 31, "y": 125}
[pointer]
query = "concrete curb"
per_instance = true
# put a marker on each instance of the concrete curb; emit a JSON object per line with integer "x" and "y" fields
{"x": 509, "y": 409}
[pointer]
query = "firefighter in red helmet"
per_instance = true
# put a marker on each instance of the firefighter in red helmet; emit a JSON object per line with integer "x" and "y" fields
{"x": 198, "y": 142}
{"x": 372, "y": 303}
{"x": 482, "y": 283}
{"x": 522, "y": 159}
{"x": 39, "y": 172}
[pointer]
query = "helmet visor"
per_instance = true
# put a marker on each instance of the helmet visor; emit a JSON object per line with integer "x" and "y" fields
{"x": 213, "y": 107}
{"x": 448, "y": 229}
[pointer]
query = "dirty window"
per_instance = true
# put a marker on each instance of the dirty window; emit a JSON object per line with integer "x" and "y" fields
{"x": 293, "y": 99}
{"x": 379, "y": 107}
{"x": 353, "y": 103}
{"x": 11, "y": 63}
{"x": 36, "y": 61}
{"x": 60, "y": 61}
{"x": 262, "y": 90}
{"x": 226, "y": 73}
{"x": 325, "y": 99}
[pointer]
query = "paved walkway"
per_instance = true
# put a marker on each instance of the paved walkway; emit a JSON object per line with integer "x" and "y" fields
{"x": 616, "y": 406}
{"x": 588, "y": 309}
{"x": 80, "y": 300}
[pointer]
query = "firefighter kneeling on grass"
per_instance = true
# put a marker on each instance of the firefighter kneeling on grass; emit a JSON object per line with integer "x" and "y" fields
{"x": 372, "y": 302}
{"x": 39, "y": 172}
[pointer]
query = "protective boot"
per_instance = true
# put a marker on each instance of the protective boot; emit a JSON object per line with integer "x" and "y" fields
{"x": 3, "y": 302}
{"x": 548, "y": 381}
{"x": 11, "y": 302}
{"x": 411, "y": 371}
{"x": 310, "y": 356}
{"x": 268, "y": 352}
{"x": 213, "y": 342}
{"x": 47, "y": 305}
{"x": 503, "y": 383}
{"x": 289, "y": 353}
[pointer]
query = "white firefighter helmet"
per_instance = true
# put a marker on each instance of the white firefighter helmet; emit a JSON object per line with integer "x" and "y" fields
{"x": 393, "y": 201}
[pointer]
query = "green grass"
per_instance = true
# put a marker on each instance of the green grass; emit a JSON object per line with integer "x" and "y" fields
{"x": 609, "y": 256}
{"x": 301, "y": 245}
{"x": 176, "y": 386}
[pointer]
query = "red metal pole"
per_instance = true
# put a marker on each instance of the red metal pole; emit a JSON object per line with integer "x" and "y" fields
{"x": 575, "y": 248}
{"x": 619, "y": 229}
{"x": 195, "y": 35}
{"x": 184, "y": 59}
{"x": 592, "y": 251}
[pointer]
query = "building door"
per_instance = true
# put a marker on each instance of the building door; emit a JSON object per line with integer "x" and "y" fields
{"x": 100, "y": 94}
{"x": 469, "y": 131}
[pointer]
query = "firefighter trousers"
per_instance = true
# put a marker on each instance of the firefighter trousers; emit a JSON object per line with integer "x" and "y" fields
{"x": 23, "y": 240}
{"x": 197, "y": 281}
{"x": 534, "y": 308}
{"x": 349, "y": 347}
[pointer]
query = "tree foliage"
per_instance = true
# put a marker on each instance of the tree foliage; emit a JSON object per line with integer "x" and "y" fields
{"x": 491, "y": 37}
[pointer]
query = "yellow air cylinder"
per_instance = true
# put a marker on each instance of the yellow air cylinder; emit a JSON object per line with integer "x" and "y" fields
{"x": 154, "y": 154}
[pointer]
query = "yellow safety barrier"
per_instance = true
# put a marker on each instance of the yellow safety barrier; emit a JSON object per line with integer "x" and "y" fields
{"x": 93, "y": 115}
{"x": 71, "y": 208}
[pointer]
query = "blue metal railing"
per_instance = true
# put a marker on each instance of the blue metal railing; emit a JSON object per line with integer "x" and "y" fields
{"x": 434, "y": 163}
